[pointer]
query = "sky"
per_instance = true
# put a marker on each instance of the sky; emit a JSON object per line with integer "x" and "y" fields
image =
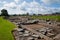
{"x": 30, "y": 6}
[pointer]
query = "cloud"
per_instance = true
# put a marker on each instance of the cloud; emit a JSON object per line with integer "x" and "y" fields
{"x": 3, "y": 2}
{"x": 13, "y": 8}
{"x": 50, "y": 2}
{"x": 31, "y": 7}
{"x": 10, "y": 5}
{"x": 16, "y": 1}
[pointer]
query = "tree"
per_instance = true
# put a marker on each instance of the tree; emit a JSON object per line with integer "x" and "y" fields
{"x": 4, "y": 12}
{"x": 34, "y": 14}
{"x": 15, "y": 15}
{"x": 27, "y": 14}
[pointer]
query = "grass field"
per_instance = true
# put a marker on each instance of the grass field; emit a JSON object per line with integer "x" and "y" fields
{"x": 5, "y": 29}
{"x": 51, "y": 17}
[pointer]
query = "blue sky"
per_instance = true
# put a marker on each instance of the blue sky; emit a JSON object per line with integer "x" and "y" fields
{"x": 31, "y": 6}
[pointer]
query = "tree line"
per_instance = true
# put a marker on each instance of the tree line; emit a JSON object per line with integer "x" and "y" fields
{"x": 4, "y": 12}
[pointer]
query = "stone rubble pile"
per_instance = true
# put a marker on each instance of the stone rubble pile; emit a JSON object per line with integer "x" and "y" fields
{"x": 45, "y": 31}
{"x": 24, "y": 34}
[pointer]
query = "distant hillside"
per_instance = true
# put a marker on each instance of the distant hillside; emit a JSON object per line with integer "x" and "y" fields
{"x": 5, "y": 29}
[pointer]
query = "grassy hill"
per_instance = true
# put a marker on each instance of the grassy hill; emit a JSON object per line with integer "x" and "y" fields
{"x": 5, "y": 29}
{"x": 51, "y": 17}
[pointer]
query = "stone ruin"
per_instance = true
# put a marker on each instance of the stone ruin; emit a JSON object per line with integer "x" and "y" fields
{"x": 50, "y": 31}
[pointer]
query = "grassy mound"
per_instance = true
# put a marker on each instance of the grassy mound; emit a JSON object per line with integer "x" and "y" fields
{"x": 5, "y": 29}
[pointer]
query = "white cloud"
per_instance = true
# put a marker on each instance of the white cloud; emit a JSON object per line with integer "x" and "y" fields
{"x": 24, "y": 7}
{"x": 3, "y": 2}
{"x": 49, "y": 2}
{"x": 16, "y": 1}
{"x": 10, "y": 5}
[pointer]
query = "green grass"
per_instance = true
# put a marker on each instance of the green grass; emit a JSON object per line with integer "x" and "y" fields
{"x": 5, "y": 29}
{"x": 51, "y": 17}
